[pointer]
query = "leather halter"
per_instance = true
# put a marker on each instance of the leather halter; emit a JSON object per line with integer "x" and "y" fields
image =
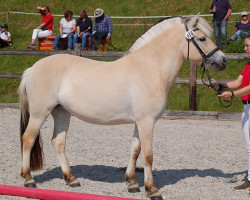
{"x": 190, "y": 37}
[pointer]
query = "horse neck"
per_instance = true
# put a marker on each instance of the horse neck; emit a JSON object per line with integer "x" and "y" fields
{"x": 163, "y": 55}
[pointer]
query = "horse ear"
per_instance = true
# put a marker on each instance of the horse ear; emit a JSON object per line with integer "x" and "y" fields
{"x": 196, "y": 19}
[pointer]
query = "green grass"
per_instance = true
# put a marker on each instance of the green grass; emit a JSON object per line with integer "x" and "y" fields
{"x": 21, "y": 27}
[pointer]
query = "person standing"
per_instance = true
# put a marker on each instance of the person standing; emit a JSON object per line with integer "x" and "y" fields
{"x": 241, "y": 28}
{"x": 83, "y": 29}
{"x": 221, "y": 10}
{"x": 44, "y": 29}
{"x": 67, "y": 29}
{"x": 102, "y": 29}
{"x": 243, "y": 82}
{"x": 5, "y": 37}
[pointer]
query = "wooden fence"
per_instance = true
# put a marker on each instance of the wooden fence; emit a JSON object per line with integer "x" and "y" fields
{"x": 192, "y": 81}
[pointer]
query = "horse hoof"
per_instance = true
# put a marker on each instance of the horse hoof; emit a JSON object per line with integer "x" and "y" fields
{"x": 156, "y": 198}
{"x": 134, "y": 190}
{"x": 30, "y": 185}
{"x": 75, "y": 184}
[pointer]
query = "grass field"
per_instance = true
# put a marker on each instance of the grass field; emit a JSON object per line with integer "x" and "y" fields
{"x": 21, "y": 27}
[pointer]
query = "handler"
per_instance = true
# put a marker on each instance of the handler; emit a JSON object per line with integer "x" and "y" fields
{"x": 242, "y": 81}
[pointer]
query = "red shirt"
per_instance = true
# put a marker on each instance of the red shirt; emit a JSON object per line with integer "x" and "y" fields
{"x": 48, "y": 20}
{"x": 246, "y": 80}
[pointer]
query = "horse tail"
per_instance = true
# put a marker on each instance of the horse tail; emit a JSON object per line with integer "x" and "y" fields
{"x": 36, "y": 157}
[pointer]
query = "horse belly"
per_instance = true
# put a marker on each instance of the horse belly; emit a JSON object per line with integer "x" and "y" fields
{"x": 97, "y": 109}
{"x": 102, "y": 116}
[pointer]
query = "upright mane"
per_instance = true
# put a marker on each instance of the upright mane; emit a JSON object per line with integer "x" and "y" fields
{"x": 156, "y": 29}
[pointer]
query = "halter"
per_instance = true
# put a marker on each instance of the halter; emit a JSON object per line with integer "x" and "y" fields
{"x": 190, "y": 37}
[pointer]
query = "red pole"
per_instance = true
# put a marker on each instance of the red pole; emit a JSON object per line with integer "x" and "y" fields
{"x": 52, "y": 194}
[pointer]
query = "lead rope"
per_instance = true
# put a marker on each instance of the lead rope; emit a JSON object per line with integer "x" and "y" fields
{"x": 222, "y": 88}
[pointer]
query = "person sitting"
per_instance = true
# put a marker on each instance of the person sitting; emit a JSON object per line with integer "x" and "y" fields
{"x": 83, "y": 29}
{"x": 102, "y": 29}
{"x": 241, "y": 28}
{"x": 5, "y": 37}
{"x": 67, "y": 29}
{"x": 45, "y": 29}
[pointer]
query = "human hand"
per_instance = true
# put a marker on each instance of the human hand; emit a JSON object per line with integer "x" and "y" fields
{"x": 41, "y": 8}
{"x": 108, "y": 38}
{"x": 214, "y": 9}
{"x": 80, "y": 34}
{"x": 226, "y": 95}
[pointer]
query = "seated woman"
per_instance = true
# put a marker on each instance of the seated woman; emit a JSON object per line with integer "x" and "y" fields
{"x": 67, "y": 29}
{"x": 241, "y": 28}
{"x": 45, "y": 29}
{"x": 5, "y": 38}
{"x": 83, "y": 28}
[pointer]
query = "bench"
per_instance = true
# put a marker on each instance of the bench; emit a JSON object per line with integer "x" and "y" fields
{"x": 46, "y": 43}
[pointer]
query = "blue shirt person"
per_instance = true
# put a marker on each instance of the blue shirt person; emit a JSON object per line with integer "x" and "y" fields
{"x": 102, "y": 29}
{"x": 83, "y": 29}
{"x": 241, "y": 28}
{"x": 221, "y": 10}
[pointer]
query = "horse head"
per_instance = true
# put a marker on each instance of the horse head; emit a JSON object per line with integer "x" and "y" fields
{"x": 199, "y": 47}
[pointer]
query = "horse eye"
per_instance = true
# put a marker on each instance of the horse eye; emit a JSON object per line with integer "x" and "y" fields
{"x": 202, "y": 39}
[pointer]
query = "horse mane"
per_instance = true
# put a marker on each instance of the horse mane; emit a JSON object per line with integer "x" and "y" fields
{"x": 167, "y": 23}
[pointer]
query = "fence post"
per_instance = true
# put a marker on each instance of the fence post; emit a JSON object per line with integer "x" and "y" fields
{"x": 8, "y": 15}
{"x": 192, "y": 87}
{"x": 77, "y": 50}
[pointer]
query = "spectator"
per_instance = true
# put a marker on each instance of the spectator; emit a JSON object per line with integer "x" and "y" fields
{"x": 45, "y": 29}
{"x": 83, "y": 28}
{"x": 67, "y": 29}
{"x": 221, "y": 10}
{"x": 241, "y": 28}
{"x": 242, "y": 83}
{"x": 102, "y": 29}
{"x": 5, "y": 37}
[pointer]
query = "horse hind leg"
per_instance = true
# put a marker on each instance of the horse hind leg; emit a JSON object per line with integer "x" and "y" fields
{"x": 61, "y": 125}
{"x": 132, "y": 184}
{"x": 31, "y": 149}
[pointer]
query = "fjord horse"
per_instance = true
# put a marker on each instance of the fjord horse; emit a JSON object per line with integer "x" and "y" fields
{"x": 133, "y": 89}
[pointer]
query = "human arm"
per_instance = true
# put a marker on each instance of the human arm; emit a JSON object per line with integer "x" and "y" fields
{"x": 235, "y": 85}
{"x": 229, "y": 11}
{"x": 110, "y": 26}
{"x": 41, "y": 26}
{"x": 212, "y": 8}
{"x": 60, "y": 29}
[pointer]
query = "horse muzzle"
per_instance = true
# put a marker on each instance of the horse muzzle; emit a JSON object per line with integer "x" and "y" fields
{"x": 217, "y": 61}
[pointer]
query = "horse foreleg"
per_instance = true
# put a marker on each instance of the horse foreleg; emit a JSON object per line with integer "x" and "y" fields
{"x": 145, "y": 128}
{"x": 130, "y": 172}
{"x": 61, "y": 125}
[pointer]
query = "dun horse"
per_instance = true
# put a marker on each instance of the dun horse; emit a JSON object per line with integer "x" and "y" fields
{"x": 133, "y": 89}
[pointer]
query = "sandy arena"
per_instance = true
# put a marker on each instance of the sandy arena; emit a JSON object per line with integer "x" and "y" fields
{"x": 193, "y": 159}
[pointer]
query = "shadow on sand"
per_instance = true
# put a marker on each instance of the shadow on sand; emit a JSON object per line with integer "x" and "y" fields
{"x": 113, "y": 174}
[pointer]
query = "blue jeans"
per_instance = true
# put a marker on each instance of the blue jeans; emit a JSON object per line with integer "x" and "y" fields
{"x": 58, "y": 37}
{"x": 220, "y": 30}
{"x": 84, "y": 39}
{"x": 238, "y": 34}
{"x": 99, "y": 36}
